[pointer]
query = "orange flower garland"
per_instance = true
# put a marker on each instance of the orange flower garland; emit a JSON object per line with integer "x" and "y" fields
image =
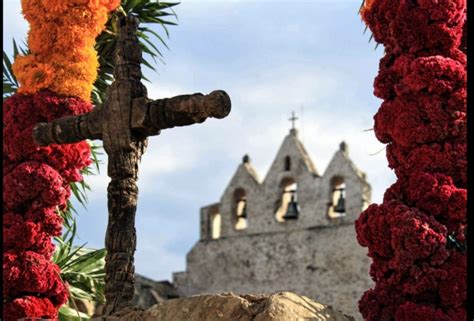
{"x": 61, "y": 38}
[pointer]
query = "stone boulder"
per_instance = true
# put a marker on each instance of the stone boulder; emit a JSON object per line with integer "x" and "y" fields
{"x": 283, "y": 306}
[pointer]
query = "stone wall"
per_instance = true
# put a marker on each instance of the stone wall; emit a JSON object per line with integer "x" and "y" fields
{"x": 322, "y": 263}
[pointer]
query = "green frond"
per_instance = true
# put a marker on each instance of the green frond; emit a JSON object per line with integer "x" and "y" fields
{"x": 82, "y": 268}
{"x": 67, "y": 313}
{"x": 10, "y": 83}
{"x": 148, "y": 13}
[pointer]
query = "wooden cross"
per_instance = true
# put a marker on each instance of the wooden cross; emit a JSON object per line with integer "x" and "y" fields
{"x": 292, "y": 119}
{"x": 123, "y": 123}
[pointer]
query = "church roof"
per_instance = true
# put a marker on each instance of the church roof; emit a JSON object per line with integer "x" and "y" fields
{"x": 307, "y": 160}
{"x": 343, "y": 154}
{"x": 250, "y": 169}
{"x": 292, "y": 147}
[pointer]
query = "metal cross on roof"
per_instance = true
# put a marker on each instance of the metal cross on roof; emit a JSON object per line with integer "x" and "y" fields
{"x": 292, "y": 119}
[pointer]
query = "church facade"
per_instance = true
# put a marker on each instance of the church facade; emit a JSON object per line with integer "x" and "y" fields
{"x": 291, "y": 231}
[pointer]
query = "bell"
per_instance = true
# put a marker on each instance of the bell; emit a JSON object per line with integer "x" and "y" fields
{"x": 244, "y": 210}
{"x": 340, "y": 207}
{"x": 292, "y": 211}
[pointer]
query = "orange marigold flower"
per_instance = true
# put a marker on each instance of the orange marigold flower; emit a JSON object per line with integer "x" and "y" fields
{"x": 92, "y": 20}
{"x": 61, "y": 37}
{"x": 56, "y": 7}
{"x": 32, "y": 76}
{"x": 33, "y": 11}
{"x": 94, "y": 4}
{"x": 110, "y": 4}
{"x": 73, "y": 38}
{"x": 74, "y": 78}
{"x": 42, "y": 37}
{"x": 80, "y": 2}
{"x": 22, "y": 62}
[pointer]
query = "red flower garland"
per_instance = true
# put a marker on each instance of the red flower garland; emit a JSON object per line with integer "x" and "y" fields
{"x": 36, "y": 184}
{"x": 29, "y": 306}
{"x": 57, "y": 76}
{"x": 422, "y": 79}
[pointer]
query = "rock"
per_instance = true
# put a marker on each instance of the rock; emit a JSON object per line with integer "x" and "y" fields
{"x": 283, "y": 306}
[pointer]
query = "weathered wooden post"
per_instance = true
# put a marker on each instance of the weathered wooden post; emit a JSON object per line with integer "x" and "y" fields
{"x": 124, "y": 122}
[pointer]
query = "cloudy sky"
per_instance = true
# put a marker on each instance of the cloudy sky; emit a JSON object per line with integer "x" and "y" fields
{"x": 272, "y": 57}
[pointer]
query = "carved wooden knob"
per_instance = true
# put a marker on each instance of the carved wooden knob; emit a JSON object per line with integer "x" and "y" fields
{"x": 218, "y": 104}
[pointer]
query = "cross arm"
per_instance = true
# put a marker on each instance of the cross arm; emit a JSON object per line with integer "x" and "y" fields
{"x": 148, "y": 117}
{"x": 70, "y": 129}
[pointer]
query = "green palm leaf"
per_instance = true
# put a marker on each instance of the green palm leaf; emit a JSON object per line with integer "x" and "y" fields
{"x": 148, "y": 13}
{"x": 69, "y": 314}
{"x": 82, "y": 268}
{"x": 10, "y": 83}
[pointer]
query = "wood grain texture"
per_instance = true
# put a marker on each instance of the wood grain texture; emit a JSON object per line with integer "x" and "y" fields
{"x": 124, "y": 150}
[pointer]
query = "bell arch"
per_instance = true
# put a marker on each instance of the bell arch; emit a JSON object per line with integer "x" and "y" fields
{"x": 215, "y": 220}
{"x": 239, "y": 209}
{"x": 287, "y": 207}
{"x": 337, "y": 198}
